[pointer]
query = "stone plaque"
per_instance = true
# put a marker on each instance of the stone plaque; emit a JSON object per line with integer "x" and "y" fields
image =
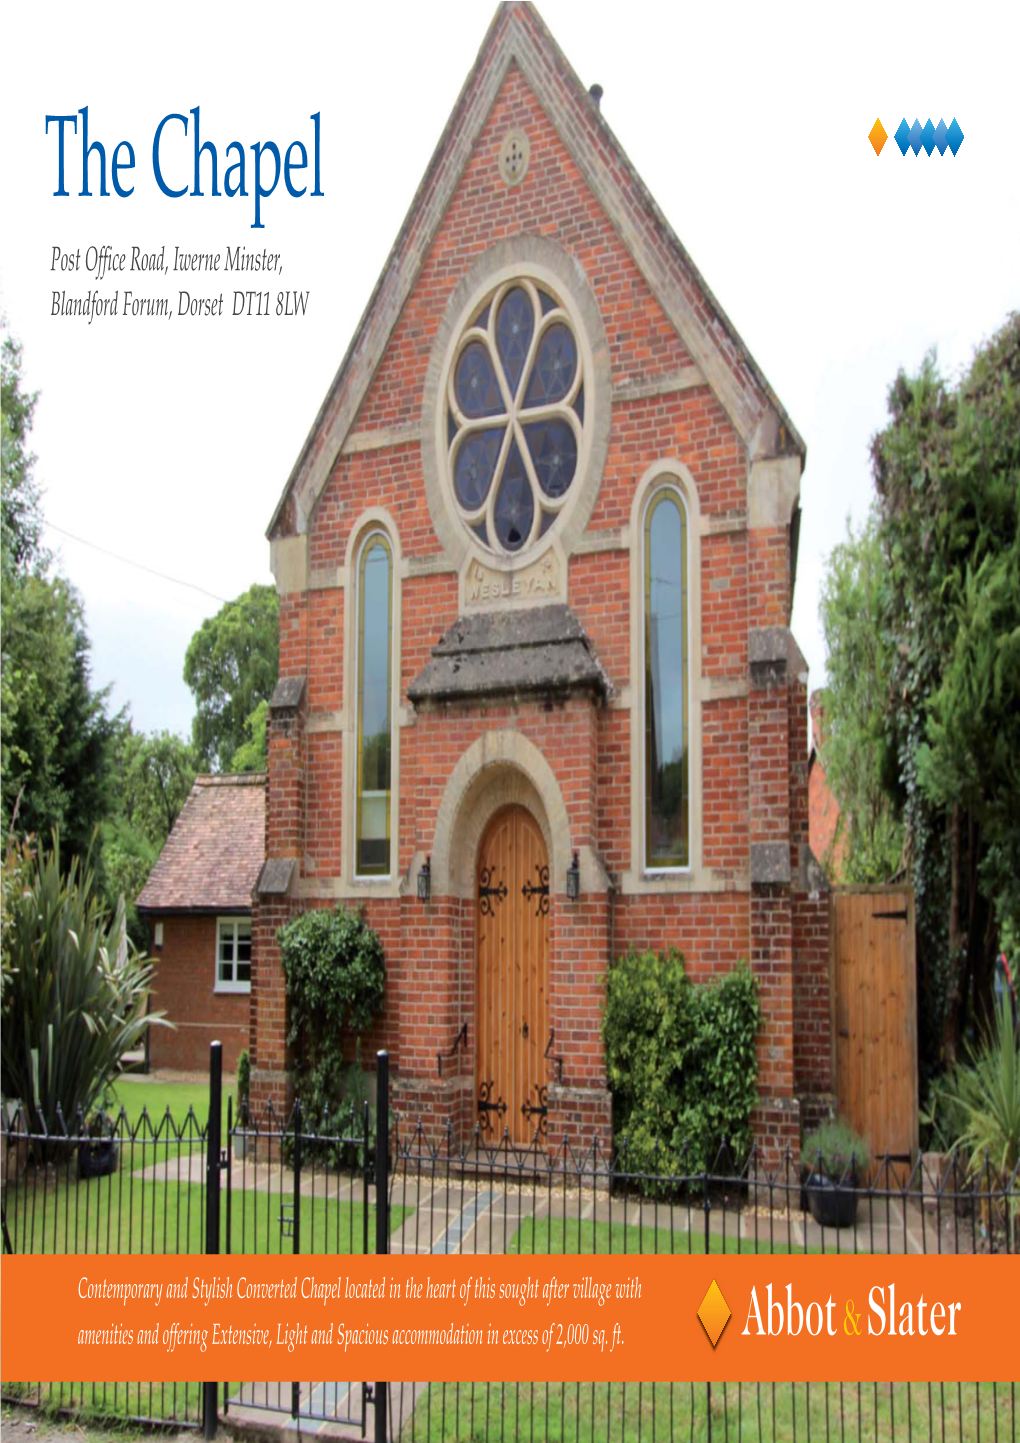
{"x": 541, "y": 581}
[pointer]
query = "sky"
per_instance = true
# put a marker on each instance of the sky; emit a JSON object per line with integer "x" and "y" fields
{"x": 169, "y": 442}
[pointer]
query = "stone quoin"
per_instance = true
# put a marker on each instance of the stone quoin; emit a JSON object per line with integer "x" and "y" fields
{"x": 535, "y": 565}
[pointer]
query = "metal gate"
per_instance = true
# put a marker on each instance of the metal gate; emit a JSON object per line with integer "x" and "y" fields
{"x": 298, "y": 1189}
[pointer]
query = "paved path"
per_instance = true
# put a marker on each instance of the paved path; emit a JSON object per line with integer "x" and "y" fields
{"x": 484, "y": 1216}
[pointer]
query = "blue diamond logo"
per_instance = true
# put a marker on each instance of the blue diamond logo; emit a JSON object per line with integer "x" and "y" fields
{"x": 954, "y": 136}
{"x": 940, "y": 137}
{"x": 928, "y": 137}
{"x": 902, "y": 136}
{"x": 915, "y": 136}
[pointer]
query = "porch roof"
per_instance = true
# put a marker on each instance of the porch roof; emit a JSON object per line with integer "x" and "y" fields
{"x": 542, "y": 650}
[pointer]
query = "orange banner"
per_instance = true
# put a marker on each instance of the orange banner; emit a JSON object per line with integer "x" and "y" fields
{"x": 518, "y": 1319}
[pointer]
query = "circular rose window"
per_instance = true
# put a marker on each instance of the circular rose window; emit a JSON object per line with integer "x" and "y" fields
{"x": 515, "y": 420}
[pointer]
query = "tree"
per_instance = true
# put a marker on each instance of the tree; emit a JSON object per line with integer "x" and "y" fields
{"x": 947, "y": 475}
{"x": 57, "y": 736}
{"x": 252, "y": 754}
{"x": 55, "y": 748}
{"x": 156, "y": 771}
{"x": 231, "y": 666}
{"x": 20, "y": 507}
{"x": 856, "y": 750}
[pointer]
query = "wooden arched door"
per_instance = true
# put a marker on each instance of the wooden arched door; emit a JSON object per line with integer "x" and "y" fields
{"x": 512, "y": 1026}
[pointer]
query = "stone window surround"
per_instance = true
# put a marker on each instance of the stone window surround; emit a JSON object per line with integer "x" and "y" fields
{"x": 518, "y": 414}
{"x": 670, "y": 474}
{"x": 236, "y": 924}
{"x": 369, "y": 538}
{"x": 541, "y": 260}
{"x": 374, "y": 521}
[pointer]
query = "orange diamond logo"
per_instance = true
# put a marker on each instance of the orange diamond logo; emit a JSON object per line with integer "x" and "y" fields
{"x": 714, "y": 1313}
{"x": 878, "y": 136}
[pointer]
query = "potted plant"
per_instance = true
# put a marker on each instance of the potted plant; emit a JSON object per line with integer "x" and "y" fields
{"x": 98, "y": 1151}
{"x": 242, "y": 1136}
{"x": 835, "y": 1155}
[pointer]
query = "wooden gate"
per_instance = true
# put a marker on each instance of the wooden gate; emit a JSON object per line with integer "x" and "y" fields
{"x": 875, "y": 999}
{"x": 512, "y": 978}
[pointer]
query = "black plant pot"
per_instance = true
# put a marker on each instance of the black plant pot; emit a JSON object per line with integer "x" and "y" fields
{"x": 98, "y": 1158}
{"x": 832, "y": 1204}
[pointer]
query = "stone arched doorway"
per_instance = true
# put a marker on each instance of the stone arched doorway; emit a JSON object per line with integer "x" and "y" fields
{"x": 512, "y": 977}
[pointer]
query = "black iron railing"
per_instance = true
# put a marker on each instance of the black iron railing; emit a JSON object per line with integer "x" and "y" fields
{"x": 278, "y": 1184}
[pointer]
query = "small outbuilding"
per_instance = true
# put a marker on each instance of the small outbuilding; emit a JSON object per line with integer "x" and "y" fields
{"x": 198, "y": 905}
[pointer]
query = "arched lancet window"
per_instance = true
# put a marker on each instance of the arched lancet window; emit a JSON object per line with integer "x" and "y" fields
{"x": 667, "y": 737}
{"x": 374, "y": 707}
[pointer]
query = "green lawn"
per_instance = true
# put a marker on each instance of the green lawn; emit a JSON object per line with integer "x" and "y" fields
{"x": 769, "y": 1413}
{"x": 134, "y": 1094}
{"x": 115, "y": 1404}
{"x": 631, "y": 1412}
{"x": 559, "y": 1235}
{"x": 127, "y": 1214}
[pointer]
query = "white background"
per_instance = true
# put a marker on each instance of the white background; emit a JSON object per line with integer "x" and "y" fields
{"x": 169, "y": 442}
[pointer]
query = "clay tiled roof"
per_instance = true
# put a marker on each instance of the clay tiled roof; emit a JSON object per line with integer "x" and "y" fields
{"x": 212, "y": 858}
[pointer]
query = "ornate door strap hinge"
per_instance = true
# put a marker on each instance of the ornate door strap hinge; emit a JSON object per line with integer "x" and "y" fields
{"x": 486, "y": 1105}
{"x": 539, "y": 1109}
{"x": 486, "y": 891}
{"x": 541, "y": 891}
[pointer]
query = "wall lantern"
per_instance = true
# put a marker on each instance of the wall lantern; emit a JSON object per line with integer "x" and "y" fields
{"x": 574, "y": 880}
{"x": 425, "y": 880}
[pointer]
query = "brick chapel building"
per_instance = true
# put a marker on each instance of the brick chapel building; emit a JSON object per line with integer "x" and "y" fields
{"x": 535, "y": 566}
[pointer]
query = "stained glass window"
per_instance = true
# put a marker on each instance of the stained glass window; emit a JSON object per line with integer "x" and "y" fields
{"x": 515, "y": 416}
{"x": 666, "y": 727}
{"x": 515, "y": 507}
{"x": 375, "y": 625}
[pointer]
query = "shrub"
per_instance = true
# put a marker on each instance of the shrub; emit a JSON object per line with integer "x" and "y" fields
{"x": 680, "y": 1062}
{"x": 985, "y": 1097}
{"x": 243, "y": 1082}
{"x": 333, "y": 967}
{"x": 835, "y": 1151}
{"x": 76, "y": 991}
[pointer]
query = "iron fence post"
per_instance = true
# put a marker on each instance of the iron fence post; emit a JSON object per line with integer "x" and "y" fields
{"x": 295, "y": 1388}
{"x": 212, "y": 1201}
{"x": 382, "y": 1194}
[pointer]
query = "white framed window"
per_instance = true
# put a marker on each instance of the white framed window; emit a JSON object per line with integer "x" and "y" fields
{"x": 233, "y": 954}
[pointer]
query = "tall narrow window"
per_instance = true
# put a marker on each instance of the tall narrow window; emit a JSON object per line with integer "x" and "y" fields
{"x": 667, "y": 729}
{"x": 375, "y": 708}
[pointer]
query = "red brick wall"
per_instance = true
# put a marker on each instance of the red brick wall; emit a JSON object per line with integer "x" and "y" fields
{"x": 812, "y": 1001}
{"x": 823, "y": 808}
{"x": 750, "y": 791}
{"x": 184, "y": 989}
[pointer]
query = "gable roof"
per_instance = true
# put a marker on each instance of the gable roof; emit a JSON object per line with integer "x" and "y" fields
{"x": 211, "y": 859}
{"x": 519, "y": 36}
